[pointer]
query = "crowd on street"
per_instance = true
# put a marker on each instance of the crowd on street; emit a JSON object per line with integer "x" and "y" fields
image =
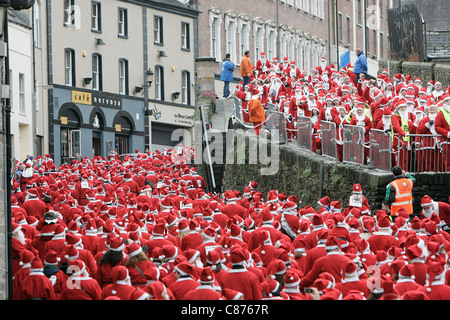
{"x": 145, "y": 228}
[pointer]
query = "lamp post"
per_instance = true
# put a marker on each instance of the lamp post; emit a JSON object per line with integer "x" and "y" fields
{"x": 6, "y": 112}
{"x": 6, "y": 115}
{"x": 149, "y": 74}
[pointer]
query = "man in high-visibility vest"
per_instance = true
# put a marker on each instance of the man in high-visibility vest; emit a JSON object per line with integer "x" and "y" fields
{"x": 399, "y": 192}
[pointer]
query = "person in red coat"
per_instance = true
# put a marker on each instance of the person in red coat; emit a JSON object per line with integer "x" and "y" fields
{"x": 351, "y": 280}
{"x": 111, "y": 258}
{"x": 185, "y": 282}
{"x": 209, "y": 236}
{"x": 239, "y": 278}
{"x": 36, "y": 286}
{"x": 382, "y": 239}
{"x": 332, "y": 263}
{"x": 427, "y": 155}
{"x": 205, "y": 291}
{"x": 121, "y": 286}
{"x": 26, "y": 257}
{"x": 442, "y": 209}
{"x": 360, "y": 119}
{"x": 137, "y": 262}
{"x": 244, "y": 96}
{"x": 34, "y": 206}
{"x": 416, "y": 260}
{"x": 405, "y": 281}
{"x": 403, "y": 126}
{"x": 80, "y": 286}
{"x": 442, "y": 126}
{"x": 436, "y": 289}
{"x": 340, "y": 120}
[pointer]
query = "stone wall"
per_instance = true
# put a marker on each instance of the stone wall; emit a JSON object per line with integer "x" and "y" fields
{"x": 425, "y": 70}
{"x": 310, "y": 176}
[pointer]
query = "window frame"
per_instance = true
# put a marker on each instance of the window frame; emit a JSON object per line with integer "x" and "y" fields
{"x": 122, "y": 22}
{"x": 123, "y": 77}
{"x": 159, "y": 82}
{"x": 158, "y": 21}
{"x": 185, "y": 85}
{"x": 185, "y": 36}
{"x": 71, "y": 68}
{"x": 98, "y": 17}
{"x": 69, "y": 13}
{"x": 22, "y": 101}
{"x": 97, "y": 75}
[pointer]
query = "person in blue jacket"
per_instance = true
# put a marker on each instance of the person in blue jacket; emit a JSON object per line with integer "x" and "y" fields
{"x": 226, "y": 75}
{"x": 360, "y": 66}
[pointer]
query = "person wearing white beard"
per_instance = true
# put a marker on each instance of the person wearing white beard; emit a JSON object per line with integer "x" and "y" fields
{"x": 442, "y": 125}
{"x": 403, "y": 127}
{"x": 438, "y": 90}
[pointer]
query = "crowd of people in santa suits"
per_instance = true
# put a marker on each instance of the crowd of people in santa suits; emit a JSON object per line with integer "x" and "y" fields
{"x": 146, "y": 229}
{"x": 399, "y": 105}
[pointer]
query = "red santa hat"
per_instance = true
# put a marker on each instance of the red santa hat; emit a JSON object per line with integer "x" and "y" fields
{"x": 291, "y": 279}
{"x": 119, "y": 273}
{"x": 76, "y": 267}
{"x": 357, "y": 188}
{"x": 134, "y": 249}
{"x": 207, "y": 275}
{"x": 26, "y": 256}
{"x": 332, "y": 243}
{"x": 426, "y": 201}
{"x": 324, "y": 202}
{"x": 51, "y": 258}
{"x": 184, "y": 268}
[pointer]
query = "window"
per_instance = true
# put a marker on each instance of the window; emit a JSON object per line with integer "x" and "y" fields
{"x": 70, "y": 143}
{"x": 21, "y": 93}
{"x": 230, "y": 31}
{"x": 158, "y": 29}
{"x": 306, "y": 5}
{"x": 271, "y": 44}
{"x": 185, "y": 92}
{"x": 123, "y": 76}
{"x": 97, "y": 83}
{"x": 349, "y": 26}
{"x": 259, "y": 40}
{"x": 36, "y": 25}
{"x": 381, "y": 53}
{"x": 244, "y": 38}
{"x": 69, "y": 64}
{"x": 96, "y": 20}
{"x": 358, "y": 12}
{"x": 69, "y": 13}
{"x": 215, "y": 37}
{"x": 159, "y": 83}
{"x": 340, "y": 27}
{"x": 374, "y": 41}
{"x": 123, "y": 22}
{"x": 185, "y": 36}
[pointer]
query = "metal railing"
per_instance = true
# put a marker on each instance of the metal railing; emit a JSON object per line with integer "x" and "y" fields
{"x": 414, "y": 152}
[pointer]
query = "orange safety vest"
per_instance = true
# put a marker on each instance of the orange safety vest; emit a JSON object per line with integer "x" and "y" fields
{"x": 403, "y": 195}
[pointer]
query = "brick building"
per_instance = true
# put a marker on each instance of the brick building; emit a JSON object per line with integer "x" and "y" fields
{"x": 300, "y": 29}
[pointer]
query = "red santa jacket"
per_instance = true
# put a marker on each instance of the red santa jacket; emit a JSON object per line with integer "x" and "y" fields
{"x": 82, "y": 288}
{"x": 244, "y": 281}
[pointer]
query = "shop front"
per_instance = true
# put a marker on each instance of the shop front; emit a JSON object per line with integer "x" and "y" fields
{"x": 90, "y": 124}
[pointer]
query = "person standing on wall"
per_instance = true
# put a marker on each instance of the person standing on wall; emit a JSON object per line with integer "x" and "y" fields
{"x": 246, "y": 68}
{"x": 399, "y": 192}
{"x": 226, "y": 75}
{"x": 360, "y": 67}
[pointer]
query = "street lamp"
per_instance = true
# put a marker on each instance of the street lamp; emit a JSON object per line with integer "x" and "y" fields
{"x": 149, "y": 76}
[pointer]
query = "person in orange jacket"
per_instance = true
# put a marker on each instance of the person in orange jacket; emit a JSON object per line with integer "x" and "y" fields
{"x": 256, "y": 111}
